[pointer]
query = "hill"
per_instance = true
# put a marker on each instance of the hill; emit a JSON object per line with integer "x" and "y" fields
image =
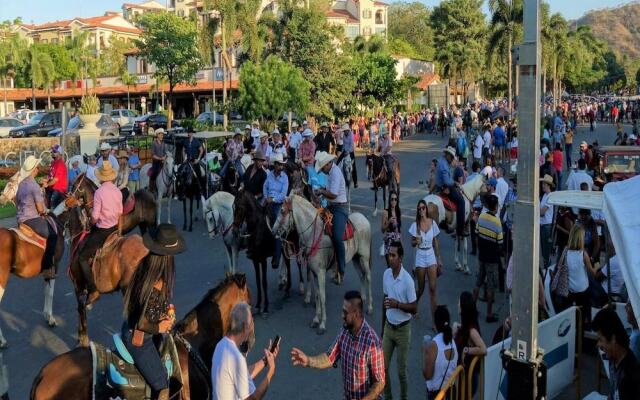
{"x": 619, "y": 27}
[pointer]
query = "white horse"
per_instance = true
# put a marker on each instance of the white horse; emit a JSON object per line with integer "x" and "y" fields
{"x": 297, "y": 213}
{"x": 164, "y": 183}
{"x": 218, "y": 214}
{"x": 471, "y": 189}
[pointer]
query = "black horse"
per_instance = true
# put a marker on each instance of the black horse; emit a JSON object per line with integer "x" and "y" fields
{"x": 190, "y": 185}
{"x": 231, "y": 180}
{"x": 249, "y": 216}
{"x": 382, "y": 178}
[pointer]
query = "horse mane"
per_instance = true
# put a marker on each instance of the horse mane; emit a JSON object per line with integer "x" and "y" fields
{"x": 90, "y": 182}
{"x": 212, "y": 296}
{"x": 472, "y": 187}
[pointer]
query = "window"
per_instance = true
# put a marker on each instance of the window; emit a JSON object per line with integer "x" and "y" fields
{"x": 54, "y": 41}
{"x": 379, "y": 17}
{"x": 44, "y": 41}
{"x": 366, "y": 14}
{"x": 380, "y": 31}
{"x": 352, "y": 31}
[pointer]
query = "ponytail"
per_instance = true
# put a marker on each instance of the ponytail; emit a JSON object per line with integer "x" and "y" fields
{"x": 447, "y": 333}
{"x": 441, "y": 318}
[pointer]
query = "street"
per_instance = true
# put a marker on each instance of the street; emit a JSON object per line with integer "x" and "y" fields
{"x": 32, "y": 343}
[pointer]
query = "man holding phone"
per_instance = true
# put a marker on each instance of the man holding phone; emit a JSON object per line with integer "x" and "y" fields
{"x": 231, "y": 377}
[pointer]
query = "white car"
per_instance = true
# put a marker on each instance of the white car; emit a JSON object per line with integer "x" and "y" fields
{"x": 6, "y": 124}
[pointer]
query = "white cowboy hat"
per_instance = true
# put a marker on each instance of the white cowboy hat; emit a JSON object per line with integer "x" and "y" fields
{"x": 294, "y": 124}
{"x": 263, "y": 134}
{"x": 323, "y": 158}
{"x": 106, "y": 172}
{"x": 451, "y": 151}
{"x": 275, "y": 130}
{"x": 237, "y": 131}
{"x": 105, "y": 146}
{"x": 158, "y": 131}
{"x": 307, "y": 133}
{"x": 324, "y": 125}
{"x": 305, "y": 123}
{"x": 345, "y": 127}
{"x": 28, "y": 166}
{"x": 247, "y": 126}
{"x": 277, "y": 158}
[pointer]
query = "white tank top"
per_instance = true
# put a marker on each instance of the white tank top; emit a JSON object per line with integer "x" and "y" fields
{"x": 578, "y": 279}
{"x": 442, "y": 373}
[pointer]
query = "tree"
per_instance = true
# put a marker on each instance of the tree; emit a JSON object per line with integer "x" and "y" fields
{"x": 11, "y": 54}
{"x": 505, "y": 28}
{"x": 82, "y": 55}
{"x": 170, "y": 43}
{"x": 586, "y": 53}
{"x": 459, "y": 30}
{"x": 129, "y": 80}
{"x": 555, "y": 34}
{"x": 375, "y": 76}
{"x": 271, "y": 89}
{"x": 409, "y": 22}
{"x": 112, "y": 61}
{"x": 41, "y": 69}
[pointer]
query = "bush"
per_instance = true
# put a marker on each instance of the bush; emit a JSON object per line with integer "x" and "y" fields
{"x": 90, "y": 105}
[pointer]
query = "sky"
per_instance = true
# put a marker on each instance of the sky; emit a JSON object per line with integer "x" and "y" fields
{"x": 40, "y": 11}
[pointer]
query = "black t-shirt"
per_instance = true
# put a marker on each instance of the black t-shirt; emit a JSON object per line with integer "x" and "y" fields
{"x": 323, "y": 141}
{"x": 624, "y": 383}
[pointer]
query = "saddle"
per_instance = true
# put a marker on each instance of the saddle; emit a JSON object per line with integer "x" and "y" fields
{"x": 116, "y": 375}
{"x": 26, "y": 234}
{"x": 129, "y": 204}
{"x": 448, "y": 203}
{"x": 106, "y": 261}
{"x": 327, "y": 217}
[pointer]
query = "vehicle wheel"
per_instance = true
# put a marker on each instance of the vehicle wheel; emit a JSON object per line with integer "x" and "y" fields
{"x": 151, "y": 132}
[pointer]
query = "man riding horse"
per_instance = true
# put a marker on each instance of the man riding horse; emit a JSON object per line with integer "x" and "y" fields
{"x": 384, "y": 147}
{"x": 107, "y": 209}
{"x": 336, "y": 193}
{"x": 32, "y": 212}
{"x": 234, "y": 152}
{"x": 158, "y": 155}
{"x": 446, "y": 185}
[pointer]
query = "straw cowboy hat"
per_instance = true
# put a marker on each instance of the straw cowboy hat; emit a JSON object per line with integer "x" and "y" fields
{"x": 451, "y": 151}
{"x": 159, "y": 131}
{"x": 277, "y": 158}
{"x": 259, "y": 155}
{"x": 106, "y": 172}
{"x": 548, "y": 180}
{"x": 323, "y": 158}
{"x": 263, "y": 134}
{"x": 307, "y": 133}
{"x": 105, "y": 146}
{"x": 123, "y": 154}
{"x": 164, "y": 240}
{"x": 28, "y": 166}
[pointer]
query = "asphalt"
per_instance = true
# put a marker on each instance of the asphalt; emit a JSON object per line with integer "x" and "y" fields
{"x": 32, "y": 343}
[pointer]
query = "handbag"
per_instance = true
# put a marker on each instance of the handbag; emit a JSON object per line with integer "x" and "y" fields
{"x": 560, "y": 279}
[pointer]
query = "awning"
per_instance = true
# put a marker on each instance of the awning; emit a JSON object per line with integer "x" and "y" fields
{"x": 577, "y": 199}
{"x": 207, "y": 135}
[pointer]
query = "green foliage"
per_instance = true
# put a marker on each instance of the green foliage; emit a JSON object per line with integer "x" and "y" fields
{"x": 64, "y": 66}
{"x": 89, "y": 105}
{"x": 40, "y": 66}
{"x": 375, "y": 76}
{"x": 408, "y": 25}
{"x": 271, "y": 89}
{"x": 112, "y": 61}
{"x": 615, "y": 78}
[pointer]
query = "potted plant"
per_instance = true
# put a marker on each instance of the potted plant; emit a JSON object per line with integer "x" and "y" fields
{"x": 90, "y": 110}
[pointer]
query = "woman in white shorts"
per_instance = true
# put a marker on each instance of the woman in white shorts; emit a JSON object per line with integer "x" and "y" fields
{"x": 424, "y": 237}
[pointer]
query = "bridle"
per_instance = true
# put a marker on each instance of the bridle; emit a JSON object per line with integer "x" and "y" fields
{"x": 215, "y": 230}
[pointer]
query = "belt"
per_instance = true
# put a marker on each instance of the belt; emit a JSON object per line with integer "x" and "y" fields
{"x": 400, "y": 325}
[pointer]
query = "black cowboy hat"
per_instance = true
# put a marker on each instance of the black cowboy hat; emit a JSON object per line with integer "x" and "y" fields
{"x": 164, "y": 240}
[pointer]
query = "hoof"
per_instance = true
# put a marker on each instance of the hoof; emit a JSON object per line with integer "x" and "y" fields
{"x": 321, "y": 331}
{"x": 314, "y": 325}
{"x": 184, "y": 227}
{"x": 375, "y": 212}
{"x": 52, "y": 322}
{"x": 190, "y": 229}
{"x": 89, "y": 307}
{"x": 264, "y": 314}
{"x": 4, "y": 345}
{"x": 467, "y": 271}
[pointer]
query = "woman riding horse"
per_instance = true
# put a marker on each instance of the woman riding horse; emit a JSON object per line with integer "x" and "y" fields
{"x": 147, "y": 307}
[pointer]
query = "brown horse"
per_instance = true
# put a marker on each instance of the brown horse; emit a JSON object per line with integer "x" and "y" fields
{"x": 115, "y": 267}
{"x": 70, "y": 375}
{"x": 379, "y": 175}
{"x": 25, "y": 261}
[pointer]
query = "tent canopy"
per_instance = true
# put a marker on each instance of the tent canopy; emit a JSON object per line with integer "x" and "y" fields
{"x": 207, "y": 135}
{"x": 577, "y": 198}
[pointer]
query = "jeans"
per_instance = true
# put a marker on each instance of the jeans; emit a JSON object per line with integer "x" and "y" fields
{"x": 236, "y": 163}
{"x": 568, "y": 148}
{"x": 55, "y": 197}
{"x": 42, "y": 228}
{"x": 399, "y": 338}
{"x": 274, "y": 210}
{"x": 92, "y": 244}
{"x": 455, "y": 195}
{"x": 340, "y": 218}
{"x": 147, "y": 360}
{"x": 545, "y": 244}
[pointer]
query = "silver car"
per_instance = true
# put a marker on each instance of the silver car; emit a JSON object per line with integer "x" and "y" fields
{"x": 6, "y": 124}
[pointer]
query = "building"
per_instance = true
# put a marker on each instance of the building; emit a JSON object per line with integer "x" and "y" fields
{"x": 359, "y": 17}
{"x": 132, "y": 12}
{"x": 409, "y": 67}
{"x": 100, "y": 30}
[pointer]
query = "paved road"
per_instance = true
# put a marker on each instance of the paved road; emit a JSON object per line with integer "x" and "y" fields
{"x": 32, "y": 343}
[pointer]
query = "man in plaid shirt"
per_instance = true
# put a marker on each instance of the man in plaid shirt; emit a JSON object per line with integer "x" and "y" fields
{"x": 358, "y": 347}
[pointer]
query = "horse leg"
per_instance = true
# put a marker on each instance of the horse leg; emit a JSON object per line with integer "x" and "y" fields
{"x": 83, "y": 338}
{"x": 169, "y": 207}
{"x": 256, "y": 268}
{"x": 456, "y": 249}
{"x": 321, "y": 311}
{"x": 263, "y": 271}
{"x": 310, "y": 285}
{"x": 301, "y": 281}
{"x": 464, "y": 256}
{"x": 197, "y": 206}
{"x": 284, "y": 272}
{"x": 191, "y": 214}
{"x": 375, "y": 200}
{"x": 184, "y": 214}
{"x": 316, "y": 319}
{"x": 364, "y": 264}
{"x": 159, "y": 208}
{"x": 4, "y": 278}
{"x": 48, "y": 302}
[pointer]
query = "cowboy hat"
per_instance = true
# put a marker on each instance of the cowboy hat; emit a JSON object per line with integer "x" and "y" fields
{"x": 344, "y": 127}
{"x": 324, "y": 125}
{"x": 255, "y": 133}
{"x": 255, "y": 122}
{"x": 451, "y": 151}
{"x": 247, "y": 126}
{"x": 105, "y": 146}
{"x": 277, "y": 158}
{"x": 294, "y": 124}
{"x": 263, "y": 134}
{"x": 548, "y": 180}
{"x": 159, "y": 131}
{"x": 237, "y": 131}
{"x": 305, "y": 123}
{"x": 307, "y": 133}
{"x": 164, "y": 240}
{"x": 28, "y": 166}
{"x": 275, "y": 131}
{"x": 57, "y": 149}
{"x": 323, "y": 158}
{"x": 123, "y": 154}
{"x": 106, "y": 172}
{"x": 583, "y": 143}
{"x": 259, "y": 155}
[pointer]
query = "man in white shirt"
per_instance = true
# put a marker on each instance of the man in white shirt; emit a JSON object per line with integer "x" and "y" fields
{"x": 502, "y": 188}
{"x": 477, "y": 148}
{"x": 400, "y": 303}
{"x": 580, "y": 176}
{"x": 546, "y": 220}
{"x": 231, "y": 378}
{"x": 486, "y": 137}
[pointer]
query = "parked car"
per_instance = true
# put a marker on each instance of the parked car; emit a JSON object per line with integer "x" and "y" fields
{"x": 24, "y": 114}
{"x": 123, "y": 116}
{"x": 620, "y": 162}
{"x": 6, "y": 124}
{"x": 39, "y": 125}
{"x": 207, "y": 118}
{"x": 108, "y": 127}
{"x": 147, "y": 124}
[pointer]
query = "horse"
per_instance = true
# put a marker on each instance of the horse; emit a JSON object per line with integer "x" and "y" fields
{"x": 447, "y": 218}
{"x": 70, "y": 375}
{"x": 164, "y": 184}
{"x": 380, "y": 177}
{"x": 218, "y": 214}
{"x": 260, "y": 241}
{"x": 346, "y": 166}
{"x": 190, "y": 184}
{"x": 300, "y": 215}
{"x": 231, "y": 181}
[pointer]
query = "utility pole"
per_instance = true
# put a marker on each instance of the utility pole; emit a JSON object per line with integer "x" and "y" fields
{"x": 525, "y": 369}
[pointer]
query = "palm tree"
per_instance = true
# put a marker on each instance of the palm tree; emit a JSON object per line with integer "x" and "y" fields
{"x": 505, "y": 26}
{"x": 127, "y": 79}
{"x": 557, "y": 42}
{"x": 41, "y": 70}
{"x": 80, "y": 53}
{"x": 11, "y": 51}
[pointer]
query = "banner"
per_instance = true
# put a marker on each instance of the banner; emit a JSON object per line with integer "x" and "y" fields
{"x": 557, "y": 337}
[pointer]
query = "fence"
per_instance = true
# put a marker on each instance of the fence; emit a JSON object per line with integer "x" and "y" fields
{"x": 454, "y": 388}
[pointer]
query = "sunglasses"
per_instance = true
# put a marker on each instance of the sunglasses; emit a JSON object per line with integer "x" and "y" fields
{"x": 394, "y": 199}
{"x": 422, "y": 208}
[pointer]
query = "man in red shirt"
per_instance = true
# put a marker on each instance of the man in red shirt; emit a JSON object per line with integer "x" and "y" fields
{"x": 557, "y": 163}
{"x": 57, "y": 182}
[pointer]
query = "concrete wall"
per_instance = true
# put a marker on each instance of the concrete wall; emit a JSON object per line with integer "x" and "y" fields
{"x": 408, "y": 66}
{"x": 17, "y": 150}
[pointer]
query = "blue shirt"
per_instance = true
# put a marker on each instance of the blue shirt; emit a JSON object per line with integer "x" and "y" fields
{"x": 29, "y": 194}
{"x": 192, "y": 148}
{"x": 276, "y": 187}
{"x": 134, "y": 173}
{"x": 499, "y": 137}
{"x": 443, "y": 174}
{"x": 347, "y": 142}
{"x": 634, "y": 343}
{"x": 72, "y": 175}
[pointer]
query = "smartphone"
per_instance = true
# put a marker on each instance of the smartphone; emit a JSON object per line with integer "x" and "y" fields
{"x": 275, "y": 343}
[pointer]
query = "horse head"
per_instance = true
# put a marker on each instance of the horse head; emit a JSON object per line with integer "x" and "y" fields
{"x": 472, "y": 188}
{"x": 284, "y": 221}
{"x": 212, "y": 217}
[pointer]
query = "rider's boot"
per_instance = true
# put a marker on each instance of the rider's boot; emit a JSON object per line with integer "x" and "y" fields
{"x": 92, "y": 291}
{"x": 152, "y": 186}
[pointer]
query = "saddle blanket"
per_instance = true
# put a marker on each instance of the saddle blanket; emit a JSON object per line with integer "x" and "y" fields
{"x": 105, "y": 261}
{"x": 448, "y": 203}
{"x": 26, "y": 234}
{"x": 327, "y": 217}
{"x": 129, "y": 204}
{"x": 115, "y": 375}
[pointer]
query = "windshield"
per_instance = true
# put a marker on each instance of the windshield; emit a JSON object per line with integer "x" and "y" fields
{"x": 9, "y": 123}
{"x": 36, "y": 118}
{"x": 629, "y": 163}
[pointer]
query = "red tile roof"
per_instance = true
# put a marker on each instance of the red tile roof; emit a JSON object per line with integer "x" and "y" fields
{"x": 25, "y": 94}
{"x": 97, "y": 22}
{"x": 342, "y": 14}
{"x": 380, "y": 4}
{"x": 426, "y": 80}
{"x": 140, "y": 6}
